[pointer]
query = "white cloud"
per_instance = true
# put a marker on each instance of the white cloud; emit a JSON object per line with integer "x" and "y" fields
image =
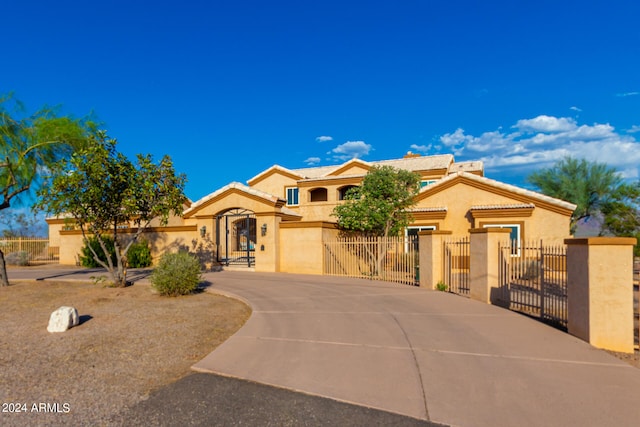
{"x": 627, "y": 94}
{"x": 574, "y": 108}
{"x": 324, "y": 138}
{"x": 421, "y": 148}
{"x": 454, "y": 139}
{"x": 546, "y": 124}
{"x": 542, "y": 141}
{"x": 350, "y": 150}
{"x": 312, "y": 161}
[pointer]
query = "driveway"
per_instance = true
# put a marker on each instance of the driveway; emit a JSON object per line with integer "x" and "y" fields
{"x": 425, "y": 354}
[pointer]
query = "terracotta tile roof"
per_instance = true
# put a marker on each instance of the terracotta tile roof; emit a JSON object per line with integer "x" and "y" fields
{"x": 421, "y": 163}
{"x": 328, "y": 178}
{"x": 277, "y": 167}
{"x": 413, "y": 164}
{"x": 467, "y": 167}
{"x": 506, "y": 206}
{"x": 437, "y": 209}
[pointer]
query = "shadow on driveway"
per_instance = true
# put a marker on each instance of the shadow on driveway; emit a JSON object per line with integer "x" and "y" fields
{"x": 212, "y": 400}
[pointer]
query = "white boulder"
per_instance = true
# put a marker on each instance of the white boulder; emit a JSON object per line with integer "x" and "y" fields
{"x": 63, "y": 319}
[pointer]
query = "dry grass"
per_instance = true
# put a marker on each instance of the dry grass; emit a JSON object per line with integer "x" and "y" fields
{"x": 130, "y": 342}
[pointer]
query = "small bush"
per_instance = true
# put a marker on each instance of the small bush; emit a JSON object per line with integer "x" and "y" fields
{"x": 441, "y": 286}
{"x": 17, "y": 258}
{"x": 87, "y": 259}
{"x": 139, "y": 255}
{"x": 176, "y": 274}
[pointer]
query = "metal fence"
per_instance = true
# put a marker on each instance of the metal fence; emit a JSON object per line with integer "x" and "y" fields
{"x": 456, "y": 265}
{"x": 533, "y": 280}
{"x": 28, "y": 251}
{"x": 636, "y": 311}
{"x": 394, "y": 259}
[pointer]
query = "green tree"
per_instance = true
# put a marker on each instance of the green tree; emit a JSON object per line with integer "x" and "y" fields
{"x": 19, "y": 224}
{"x": 588, "y": 185}
{"x": 621, "y": 213}
{"x": 115, "y": 193}
{"x": 30, "y": 146}
{"x": 379, "y": 207}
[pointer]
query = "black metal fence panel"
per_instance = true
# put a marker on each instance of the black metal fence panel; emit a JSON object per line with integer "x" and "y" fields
{"x": 533, "y": 281}
{"x": 456, "y": 265}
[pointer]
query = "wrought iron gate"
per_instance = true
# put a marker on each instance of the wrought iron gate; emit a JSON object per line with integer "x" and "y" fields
{"x": 236, "y": 237}
{"x": 533, "y": 280}
{"x": 456, "y": 265}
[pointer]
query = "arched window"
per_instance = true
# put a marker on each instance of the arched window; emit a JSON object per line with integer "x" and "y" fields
{"x": 342, "y": 191}
{"x": 318, "y": 195}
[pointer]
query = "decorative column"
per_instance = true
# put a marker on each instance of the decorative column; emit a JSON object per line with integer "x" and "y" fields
{"x": 484, "y": 265}
{"x": 267, "y": 248}
{"x": 600, "y": 291}
{"x": 431, "y": 252}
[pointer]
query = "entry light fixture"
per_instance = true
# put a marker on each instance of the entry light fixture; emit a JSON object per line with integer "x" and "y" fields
{"x": 203, "y": 231}
{"x": 264, "y": 229}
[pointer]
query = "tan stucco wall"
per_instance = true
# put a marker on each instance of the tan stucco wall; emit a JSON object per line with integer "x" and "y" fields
{"x": 301, "y": 249}
{"x": 231, "y": 200}
{"x": 275, "y": 184}
{"x": 160, "y": 240}
{"x": 267, "y": 253}
{"x": 458, "y": 199}
{"x": 55, "y": 226}
{"x": 353, "y": 169}
{"x": 600, "y": 291}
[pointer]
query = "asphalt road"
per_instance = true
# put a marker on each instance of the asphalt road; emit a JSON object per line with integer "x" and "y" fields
{"x": 213, "y": 400}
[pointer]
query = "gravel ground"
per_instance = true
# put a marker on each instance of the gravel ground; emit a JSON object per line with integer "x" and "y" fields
{"x": 130, "y": 342}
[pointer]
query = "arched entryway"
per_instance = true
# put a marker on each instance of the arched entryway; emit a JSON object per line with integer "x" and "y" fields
{"x": 236, "y": 237}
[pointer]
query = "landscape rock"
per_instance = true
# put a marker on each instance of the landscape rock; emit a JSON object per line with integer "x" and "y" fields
{"x": 62, "y": 319}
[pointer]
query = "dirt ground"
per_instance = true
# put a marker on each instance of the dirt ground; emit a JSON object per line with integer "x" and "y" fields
{"x": 130, "y": 342}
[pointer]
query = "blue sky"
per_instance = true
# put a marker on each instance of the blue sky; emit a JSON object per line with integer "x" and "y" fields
{"x": 229, "y": 88}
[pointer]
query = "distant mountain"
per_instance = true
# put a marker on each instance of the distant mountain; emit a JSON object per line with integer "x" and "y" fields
{"x": 589, "y": 226}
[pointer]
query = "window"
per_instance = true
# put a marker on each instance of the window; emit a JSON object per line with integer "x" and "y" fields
{"x": 318, "y": 195}
{"x": 342, "y": 192}
{"x": 515, "y": 237}
{"x": 426, "y": 182}
{"x": 413, "y": 231}
{"x": 292, "y": 196}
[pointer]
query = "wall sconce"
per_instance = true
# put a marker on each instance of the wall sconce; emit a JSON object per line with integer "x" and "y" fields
{"x": 203, "y": 231}
{"x": 264, "y": 229}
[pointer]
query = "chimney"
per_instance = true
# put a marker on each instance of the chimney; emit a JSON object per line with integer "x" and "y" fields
{"x": 410, "y": 155}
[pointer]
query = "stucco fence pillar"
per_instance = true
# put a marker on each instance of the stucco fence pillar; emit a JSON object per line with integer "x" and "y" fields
{"x": 600, "y": 291}
{"x": 301, "y": 245}
{"x": 484, "y": 263}
{"x": 267, "y": 250}
{"x": 431, "y": 257}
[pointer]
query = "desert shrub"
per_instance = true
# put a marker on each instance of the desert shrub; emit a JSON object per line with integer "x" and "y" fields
{"x": 17, "y": 258}
{"x": 441, "y": 286}
{"x": 139, "y": 255}
{"x": 87, "y": 259}
{"x": 176, "y": 274}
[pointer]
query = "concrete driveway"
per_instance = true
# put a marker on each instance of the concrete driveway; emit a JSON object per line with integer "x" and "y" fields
{"x": 426, "y": 354}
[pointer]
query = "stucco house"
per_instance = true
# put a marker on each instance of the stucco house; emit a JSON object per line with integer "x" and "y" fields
{"x": 278, "y": 220}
